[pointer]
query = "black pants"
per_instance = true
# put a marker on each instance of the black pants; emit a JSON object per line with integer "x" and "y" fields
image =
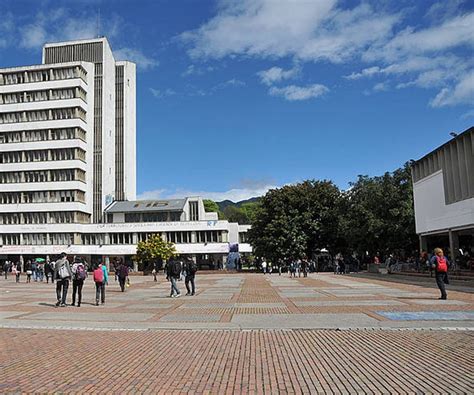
{"x": 62, "y": 283}
{"x": 122, "y": 283}
{"x": 100, "y": 291}
{"x": 441, "y": 280}
{"x": 77, "y": 287}
{"x": 189, "y": 279}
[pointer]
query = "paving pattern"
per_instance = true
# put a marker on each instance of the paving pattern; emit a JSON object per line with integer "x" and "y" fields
{"x": 240, "y": 333}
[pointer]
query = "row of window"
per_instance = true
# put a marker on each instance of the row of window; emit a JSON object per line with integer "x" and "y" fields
{"x": 43, "y": 176}
{"x": 42, "y": 197}
{"x": 43, "y": 95}
{"x": 43, "y": 155}
{"x": 54, "y": 217}
{"x": 162, "y": 216}
{"x": 47, "y": 74}
{"x": 27, "y": 136}
{"x": 43, "y": 115}
{"x": 112, "y": 238}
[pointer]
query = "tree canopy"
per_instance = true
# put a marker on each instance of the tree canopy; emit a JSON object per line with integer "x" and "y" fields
{"x": 155, "y": 248}
{"x": 376, "y": 215}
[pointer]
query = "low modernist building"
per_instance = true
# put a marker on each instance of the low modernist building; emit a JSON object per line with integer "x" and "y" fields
{"x": 443, "y": 188}
{"x": 195, "y": 233}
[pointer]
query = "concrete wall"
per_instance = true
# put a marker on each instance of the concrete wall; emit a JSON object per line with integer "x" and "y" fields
{"x": 431, "y": 211}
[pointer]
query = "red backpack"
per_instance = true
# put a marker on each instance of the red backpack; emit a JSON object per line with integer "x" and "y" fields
{"x": 442, "y": 265}
{"x": 99, "y": 275}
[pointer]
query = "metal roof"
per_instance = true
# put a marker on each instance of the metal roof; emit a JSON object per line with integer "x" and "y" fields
{"x": 146, "y": 206}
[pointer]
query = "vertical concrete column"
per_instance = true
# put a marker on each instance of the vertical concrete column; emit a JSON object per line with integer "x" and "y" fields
{"x": 453, "y": 244}
{"x": 106, "y": 260}
{"x": 423, "y": 243}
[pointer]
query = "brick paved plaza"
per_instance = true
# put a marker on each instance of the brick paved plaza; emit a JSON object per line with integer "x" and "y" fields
{"x": 241, "y": 333}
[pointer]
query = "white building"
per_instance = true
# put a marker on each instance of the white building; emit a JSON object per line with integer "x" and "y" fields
{"x": 68, "y": 157}
{"x": 443, "y": 189}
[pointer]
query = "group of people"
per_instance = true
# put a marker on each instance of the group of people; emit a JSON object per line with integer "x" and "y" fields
{"x": 176, "y": 270}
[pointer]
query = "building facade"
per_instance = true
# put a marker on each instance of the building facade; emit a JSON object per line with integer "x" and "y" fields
{"x": 443, "y": 189}
{"x": 68, "y": 166}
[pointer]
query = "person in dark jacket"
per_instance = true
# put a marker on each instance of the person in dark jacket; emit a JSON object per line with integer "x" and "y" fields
{"x": 62, "y": 273}
{"x": 190, "y": 269}
{"x": 122, "y": 273}
{"x": 173, "y": 273}
{"x": 440, "y": 265}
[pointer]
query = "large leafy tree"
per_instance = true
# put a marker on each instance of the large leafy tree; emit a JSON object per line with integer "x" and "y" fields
{"x": 379, "y": 213}
{"x": 293, "y": 221}
{"x": 155, "y": 248}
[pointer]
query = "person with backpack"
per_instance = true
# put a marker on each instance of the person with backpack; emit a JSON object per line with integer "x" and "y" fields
{"x": 173, "y": 273}
{"x": 62, "y": 273}
{"x": 122, "y": 273}
{"x": 190, "y": 268}
{"x": 440, "y": 265}
{"x": 100, "y": 278}
{"x": 79, "y": 273}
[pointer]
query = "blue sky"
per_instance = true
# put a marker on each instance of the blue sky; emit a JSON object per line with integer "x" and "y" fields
{"x": 236, "y": 96}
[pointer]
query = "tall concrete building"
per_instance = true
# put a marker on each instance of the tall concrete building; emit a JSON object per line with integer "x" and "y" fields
{"x": 114, "y": 118}
{"x": 68, "y": 163}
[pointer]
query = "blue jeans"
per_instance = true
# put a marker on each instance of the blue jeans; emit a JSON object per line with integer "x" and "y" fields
{"x": 174, "y": 286}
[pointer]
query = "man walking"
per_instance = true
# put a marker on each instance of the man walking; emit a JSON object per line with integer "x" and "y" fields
{"x": 190, "y": 267}
{"x": 173, "y": 272}
{"x": 62, "y": 273}
{"x": 440, "y": 265}
{"x": 122, "y": 273}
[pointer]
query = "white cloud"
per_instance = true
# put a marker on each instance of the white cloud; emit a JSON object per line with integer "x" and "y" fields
{"x": 160, "y": 94}
{"x": 431, "y": 55}
{"x": 298, "y": 93}
{"x": 229, "y": 83}
{"x": 467, "y": 115}
{"x": 368, "y": 72}
{"x": 307, "y": 30}
{"x": 462, "y": 93}
{"x": 381, "y": 87}
{"x": 235, "y": 194}
{"x": 143, "y": 61}
{"x": 277, "y": 74}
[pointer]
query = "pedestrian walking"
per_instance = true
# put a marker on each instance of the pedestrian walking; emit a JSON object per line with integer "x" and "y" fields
{"x": 79, "y": 274}
{"x": 16, "y": 270}
{"x": 100, "y": 279}
{"x": 28, "y": 271}
{"x": 304, "y": 267}
{"x": 173, "y": 273}
{"x": 63, "y": 274}
{"x": 40, "y": 271}
{"x": 122, "y": 274}
{"x": 264, "y": 266}
{"x": 440, "y": 265}
{"x": 34, "y": 266}
{"x": 190, "y": 268}
{"x": 6, "y": 268}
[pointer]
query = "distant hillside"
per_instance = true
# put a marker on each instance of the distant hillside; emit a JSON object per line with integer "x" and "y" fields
{"x": 226, "y": 203}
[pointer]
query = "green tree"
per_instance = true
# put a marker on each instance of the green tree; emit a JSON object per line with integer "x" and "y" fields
{"x": 236, "y": 214}
{"x": 155, "y": 248}
{"x": 250, "y": 209}
{"x": 210, "y": 206}
{"x": 379, "y": 213}
{"x": 293, "y": 221}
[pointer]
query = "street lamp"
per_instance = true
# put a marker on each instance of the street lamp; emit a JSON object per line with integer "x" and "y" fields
{"x": 453, "y": 134}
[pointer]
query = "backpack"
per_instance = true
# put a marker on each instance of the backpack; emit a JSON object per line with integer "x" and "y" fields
{"x": 192, "y": 267}
{"x": 63, "y": 271}
{"x": 80, "y": 272}
{"x": 99, "y": 275}
{"x": 176, "y": 269}
{"x": 123, "y": 271}
{"x": 442, "y": 266}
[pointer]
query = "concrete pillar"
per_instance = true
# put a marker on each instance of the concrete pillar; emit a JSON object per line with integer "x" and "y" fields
{"x": 22, "y": 263}
{"x": 423, "y": 243}
{"x": 453, "y": 244}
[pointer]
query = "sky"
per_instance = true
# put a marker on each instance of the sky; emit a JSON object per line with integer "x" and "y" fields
{"x": 235, "y": 97}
